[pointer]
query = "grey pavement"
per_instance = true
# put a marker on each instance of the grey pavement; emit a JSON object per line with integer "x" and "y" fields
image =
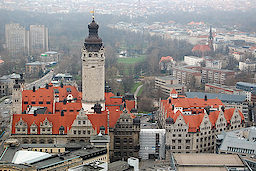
{"x": 41, "y": 82}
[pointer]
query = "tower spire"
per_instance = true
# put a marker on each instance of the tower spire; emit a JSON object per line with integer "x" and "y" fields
{"x": 210, "y": 39}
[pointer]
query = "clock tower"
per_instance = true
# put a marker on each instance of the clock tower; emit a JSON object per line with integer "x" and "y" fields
{"x": 93, "y": 70}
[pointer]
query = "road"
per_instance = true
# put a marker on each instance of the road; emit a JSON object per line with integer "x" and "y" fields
{"x": 41, "y": 82}
{"x": 135, "y": 95}
{"x": 5, "y": 117}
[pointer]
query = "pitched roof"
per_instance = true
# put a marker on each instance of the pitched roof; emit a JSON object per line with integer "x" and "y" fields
{"x": 166, "y": 59}
{"x": 114, "y": 105}
{"x": 201, "y": 48}
{"x": 57, "y": 121}
{"x": 174, "y": 91}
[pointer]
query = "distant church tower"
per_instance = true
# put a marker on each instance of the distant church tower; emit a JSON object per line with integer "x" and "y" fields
{"x": 210, "y": 39}
{"x": 93, "y": 70}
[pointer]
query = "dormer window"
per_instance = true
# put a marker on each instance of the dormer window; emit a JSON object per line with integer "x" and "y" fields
{"x": 90, "y": 55}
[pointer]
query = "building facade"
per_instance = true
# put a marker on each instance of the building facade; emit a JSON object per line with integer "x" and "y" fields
{"x": 38, "y": 38}
{"x": 17, "y": 40}
{"x": 167, "y": 84}
{"x": 187, "y": 76}
{"x": 124, "y": 137}
{"x": 217, "y": 76}
{"x": 191, "y": 123}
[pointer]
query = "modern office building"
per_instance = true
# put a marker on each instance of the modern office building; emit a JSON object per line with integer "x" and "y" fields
{"x": 152, "y": 144}
{"x": 167, "y": 83}
{"x": 242, "y": 141}
{"x": 248, "y": 87}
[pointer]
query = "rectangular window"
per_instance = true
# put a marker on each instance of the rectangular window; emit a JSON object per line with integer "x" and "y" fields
{"x": 41, "y": 102}
{"x": 25, "y": 102}
{"x": 74, "y": 131}
{"x": 89, "y": 132}
{"x": 48, "y": 102}
{"x": 84, "y": 122}
{"x": 79, "y": 132}
{"x": 79, "y": 122}
{"x": 33, "y": 102}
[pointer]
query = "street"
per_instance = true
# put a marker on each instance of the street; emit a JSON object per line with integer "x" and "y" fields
{"x": 41, "y": 82}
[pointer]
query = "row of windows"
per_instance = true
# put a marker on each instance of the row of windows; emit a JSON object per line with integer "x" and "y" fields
{"x": 41, "y": 150}
{"x": 40, "y": 102}
{"x": 80, "y": 132}
{"x": 125, "y": 140}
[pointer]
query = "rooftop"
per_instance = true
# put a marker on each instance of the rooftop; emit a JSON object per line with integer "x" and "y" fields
{"x": 222, "y": 97}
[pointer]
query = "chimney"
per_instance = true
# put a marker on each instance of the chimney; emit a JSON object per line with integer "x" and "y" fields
{"x": 97, "y": 108}
{"x": 170, "y": 101}
{"x": 205, "y": 98}
{"x": 117, "y": 94}
{"x": 65, "y": 101}
{"x": 34, "y": 88}
{"x": 47, "y": 86}
{"x": 62, "y": 113}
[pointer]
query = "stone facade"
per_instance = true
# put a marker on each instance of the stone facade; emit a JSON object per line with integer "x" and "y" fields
{"x": 196, "y": 133}
{"x": 124, "y": 138}
{"x": 93, "y": 69}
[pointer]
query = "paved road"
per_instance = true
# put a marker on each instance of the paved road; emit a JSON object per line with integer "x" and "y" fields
{"x": 41, "y": 82}
{"x": 5, "y": 117}
{"x": 135, "y": 95}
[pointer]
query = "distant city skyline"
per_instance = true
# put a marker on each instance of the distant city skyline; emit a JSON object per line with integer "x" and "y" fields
{"x": 125, "y": 7}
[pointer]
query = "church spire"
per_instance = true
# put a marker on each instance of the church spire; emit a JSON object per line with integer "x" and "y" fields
{"x": 210, "y": 39}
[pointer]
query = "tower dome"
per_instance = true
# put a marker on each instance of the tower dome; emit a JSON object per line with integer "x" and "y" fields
{"x": 93, "y": 42}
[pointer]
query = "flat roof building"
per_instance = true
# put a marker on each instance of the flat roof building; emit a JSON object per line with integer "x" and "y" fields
{"x": 206, "y": 162}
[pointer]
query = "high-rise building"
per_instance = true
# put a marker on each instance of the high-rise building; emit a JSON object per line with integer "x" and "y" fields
{"x": 16, "y": 38}
{"x": 93, "y": 69}
{"x": 38, "y": 36}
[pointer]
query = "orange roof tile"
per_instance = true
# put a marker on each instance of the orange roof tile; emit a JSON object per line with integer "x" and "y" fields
{"x": 174, "y": 91}
{"x": 201, "y": 48}
{"x": 166, "y": 59}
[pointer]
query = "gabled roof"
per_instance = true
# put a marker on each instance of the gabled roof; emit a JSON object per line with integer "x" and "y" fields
{"x": 174, "y": 91}
{"x": 56, "y": 120}
{"x": 114, "y": 104}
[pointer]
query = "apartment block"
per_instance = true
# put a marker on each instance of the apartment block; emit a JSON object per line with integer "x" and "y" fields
{"x": 218, "y": 76}
{"x": 38, "y": 36}
{"x": 17, "y": 40}
{"x": 186, "y": 76}
{"x": 167, "y": 83}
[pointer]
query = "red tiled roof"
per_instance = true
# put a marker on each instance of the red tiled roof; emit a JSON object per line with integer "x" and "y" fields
{"x": 201, "y": 48}
{"x": 113, "y": 105}
{"x": 193, "y": 121}
{"x": 174, "y": 91}
{"x": 66, "y": 121}
{"x": 166, "y": 59}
